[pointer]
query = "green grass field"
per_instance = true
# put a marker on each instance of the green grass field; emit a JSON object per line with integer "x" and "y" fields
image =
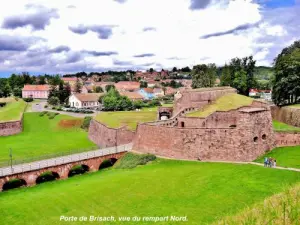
{"x": 278, "y": 126}
{"x": 204, "y": 192}
{"x": 285, "y": 156}
{"x": 12, "y": 111}
{"x": 43, "y": 136}
{"x": 128, "y": 118}
{"x": 224, "y": 103}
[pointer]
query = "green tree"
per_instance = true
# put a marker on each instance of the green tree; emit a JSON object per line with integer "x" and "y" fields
{"x": 98, "y": 89}
{"x": 226, "y": 79}
{"x": 108, "y": 87}
{"x": 17, "y": 92}
{"x": 286, "y": 82}
{"x": 143, "y": 84}
{"x": 240, "y": 81}
{"x": 203, "y": 76}
{"x": 78, "y": 86}
{"x": 151, "y": 70}
{"x": 53, "y": 100}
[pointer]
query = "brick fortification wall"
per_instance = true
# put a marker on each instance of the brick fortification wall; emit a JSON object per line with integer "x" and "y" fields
{"x": 196, "y": 99}
{"x": 252, "y": 137}
{"x": 287, "y": 139}
{"x": 286, "y": 115}
{"x": 11, "y": 128}
{"x": 104, "y": 136}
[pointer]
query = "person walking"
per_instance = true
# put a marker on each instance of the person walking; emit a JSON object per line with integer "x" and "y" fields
{"x": 270, "y": 162}
{"x": 266, "y": 161}
{"x": 274, "y": 163}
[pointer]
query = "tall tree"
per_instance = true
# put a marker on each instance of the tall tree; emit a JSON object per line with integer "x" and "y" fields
{"x": 286, "y": 82}
{"x": 203, "y": 76}
{"x": 78, "y": 86}
{"x": 226, "y": 76}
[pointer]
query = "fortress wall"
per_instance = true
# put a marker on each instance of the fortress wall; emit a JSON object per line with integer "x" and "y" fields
{"x": 11, "y": 128}
{"x": 287, "y": 139}
{"x": 198, "y": 99}
{"x": 286, "y": 115}
{"x": 223, "y": 144}
{"x": 104, "y": 136}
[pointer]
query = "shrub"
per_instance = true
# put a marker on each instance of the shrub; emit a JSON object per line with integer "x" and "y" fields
{"x": 13, "y": 183}
{"x": 131, "y": 160}
{"x": 53, "y": 101}
{"x": 46, "y": 176}
{"x": 28, "y": 99}
{"x": 54, "y": 108}
{"x": 2, "y": 104}
{"x": 79, "y": 169}
{"x": 46, "y": 106}
{"x": 86, "y": 122}
{"x": 43, "y": 113}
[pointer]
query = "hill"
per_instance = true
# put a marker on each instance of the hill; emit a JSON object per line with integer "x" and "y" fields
{"x": 263, "y": 73}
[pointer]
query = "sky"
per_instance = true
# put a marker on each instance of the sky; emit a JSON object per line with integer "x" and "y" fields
{"x": 67, "y": 36}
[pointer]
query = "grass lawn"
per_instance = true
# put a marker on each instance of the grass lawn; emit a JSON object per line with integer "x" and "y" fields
{"x": 224, "y": 103}
{"x": 12, "y": 111}
{"x": 127, "y": 118}
{"x": 204, "y": 192}
{"x": 285, "y": 156}
{"x": 278, "y": 126}
{"x": 43, "y": 136}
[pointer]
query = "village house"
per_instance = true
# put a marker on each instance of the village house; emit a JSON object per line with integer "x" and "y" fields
{"x": 158, "y": 92}
{"x": 103, "y": 85}
{"x": 90, "y": 100}
{"x": 71, "y": 80}
{"x": 130, "y": 86}
{"x": 36, "y": 91}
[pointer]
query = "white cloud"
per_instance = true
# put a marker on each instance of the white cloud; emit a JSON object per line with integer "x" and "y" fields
{"x": 177, "y": 33}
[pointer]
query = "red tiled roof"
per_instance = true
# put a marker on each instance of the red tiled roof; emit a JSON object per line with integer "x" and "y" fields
{"x": 69, "y": 79}
{"x": 127, "y": 85}
{"x": 149, "y": 90}
{"x": 36, "y": 87}
{"x": 90, "y": 97}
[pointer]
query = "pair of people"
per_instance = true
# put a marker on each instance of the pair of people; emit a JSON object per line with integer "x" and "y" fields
{"x": 269, "y": 162}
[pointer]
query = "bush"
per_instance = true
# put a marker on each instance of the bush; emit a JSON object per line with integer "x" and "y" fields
{"x": 54, "y": 108}
{"x": 131, "y": 160}
{"x": 13, "y": 183}
{"x": 59, "y": 108}
{"x": 53, "y": 101}
{"x": 28, "y": 99}
{"x": 79, "y": 169}
{"x": 2, "y": 104}
{"x": 86, "y": 122}
{"x": 43, "y": 113}
{"x": 47, "y": 176}
{"x": 46, "y": 106}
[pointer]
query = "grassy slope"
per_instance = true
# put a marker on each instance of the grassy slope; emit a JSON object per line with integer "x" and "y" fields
{"x": 12, "y": 111}
{"x": 282, "y": 208}
{"x": 278, "y": 126}
{"x": 204, "y": 192}
{"x": 130, "y": 118}
{"x": 285, "y": 156}
{"x": 224, "y": 103}
{"x": 43, "y": 136}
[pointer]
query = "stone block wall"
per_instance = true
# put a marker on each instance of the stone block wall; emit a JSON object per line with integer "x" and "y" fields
{"x": 287, "y": 139}
{"x": 197, "y": 99}
{"x": 252, "y": 137}
{"x": 104, "y": 136}
{"x": 11, "y": 127}
{"x": 286, "y": 115}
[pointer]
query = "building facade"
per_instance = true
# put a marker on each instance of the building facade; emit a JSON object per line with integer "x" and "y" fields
{"x": 36, "y": 91}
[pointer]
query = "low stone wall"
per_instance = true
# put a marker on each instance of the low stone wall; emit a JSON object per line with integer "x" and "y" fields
{"x": 286, "y": 115}
{"x": 11, "y": 127}
{"x": 287, "y": 139}
{"x": 104, "y": 136}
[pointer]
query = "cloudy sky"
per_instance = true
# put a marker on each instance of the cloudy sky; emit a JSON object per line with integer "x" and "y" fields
{"x": 63, "y": 36}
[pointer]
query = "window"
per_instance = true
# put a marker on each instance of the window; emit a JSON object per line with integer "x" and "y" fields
{"x": 182, "y": 124}
{"x": 264, "y": 137}
{"x": 255, "y": 139}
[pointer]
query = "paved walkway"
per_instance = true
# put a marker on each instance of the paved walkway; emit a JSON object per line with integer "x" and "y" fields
{"x": 231, "y": 162}
{"x": 40, "y": 107}
{"x": 5, "y": 171}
